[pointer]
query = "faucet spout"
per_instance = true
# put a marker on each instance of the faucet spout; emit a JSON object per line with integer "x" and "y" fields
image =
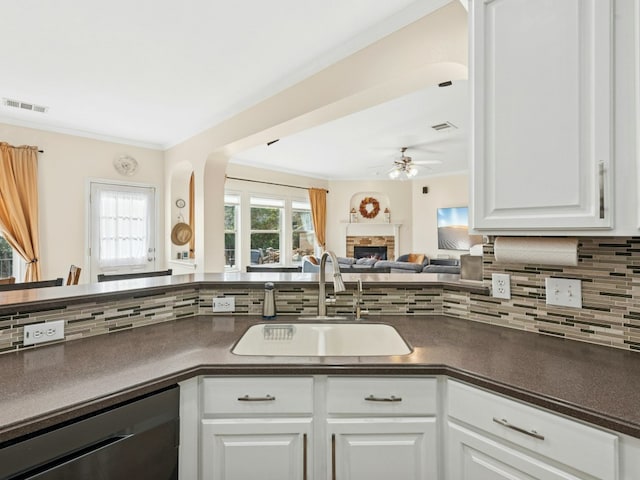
{"x": 338, "y": 284}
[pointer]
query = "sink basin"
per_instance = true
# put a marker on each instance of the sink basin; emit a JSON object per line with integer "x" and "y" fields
{"x": 321, "y": 339}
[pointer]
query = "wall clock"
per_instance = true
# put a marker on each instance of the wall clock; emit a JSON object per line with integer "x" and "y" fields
{"x": 125, "y": 165}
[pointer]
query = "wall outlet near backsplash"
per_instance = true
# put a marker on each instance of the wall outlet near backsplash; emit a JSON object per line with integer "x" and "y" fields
{"x": 501, "y": 285}
{"x": 563, "y": 292}
{"x": 224, "y": 304}
{"x": 43, "y": 332}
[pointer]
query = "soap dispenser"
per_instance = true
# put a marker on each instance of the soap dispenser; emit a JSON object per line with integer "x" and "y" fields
{"x": 269, "y": 304}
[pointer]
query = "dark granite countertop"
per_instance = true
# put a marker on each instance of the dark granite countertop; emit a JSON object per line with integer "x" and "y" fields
{"x": 47, "y": 385}
{"x": 66, "y": 295}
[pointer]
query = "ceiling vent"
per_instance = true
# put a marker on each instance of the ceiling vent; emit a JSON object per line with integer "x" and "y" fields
{"x": 443, "y": 126}
{"x": 8, "y": 102}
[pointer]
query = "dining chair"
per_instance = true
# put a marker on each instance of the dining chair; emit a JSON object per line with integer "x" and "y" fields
{"x": 7, "y": 280}
{"x": 74, "y": 275}
{"x": 29, "y": 285}
{"x": 127, "y": 276}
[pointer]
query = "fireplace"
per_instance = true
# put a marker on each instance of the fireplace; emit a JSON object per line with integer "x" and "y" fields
{"x": 368, "y": 246}
{"x": 377, "y": 252}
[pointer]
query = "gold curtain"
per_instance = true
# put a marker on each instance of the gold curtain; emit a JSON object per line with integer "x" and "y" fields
{"x": 318, "y": 199}
{"x": 19, "y": 204}
{"x": 192, "y": 217}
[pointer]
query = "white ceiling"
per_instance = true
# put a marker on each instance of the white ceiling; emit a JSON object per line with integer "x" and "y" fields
{"x": 155, "y": 72}
{"x": 364, "y": 145}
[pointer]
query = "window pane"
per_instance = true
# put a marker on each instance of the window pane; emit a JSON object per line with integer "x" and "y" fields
{"x": 6, "y": 259}
{"x": 230, "y": 217}
{"x": 301, "y": 220}
{"x": 264, "y": 218}
{"x": 230, "y": 250}
{"x": 124, "y": 228}
{"x": 303, "y": 234}
{"x": 265, "y": 248}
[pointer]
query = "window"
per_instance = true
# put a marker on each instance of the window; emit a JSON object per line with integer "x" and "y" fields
{"x": 266, "y": 225}
{"x": 231, "y": 237}
{"x": 303, "y": 241}
{"x": 6, "y": 259}
{"x": 11, "y": 263}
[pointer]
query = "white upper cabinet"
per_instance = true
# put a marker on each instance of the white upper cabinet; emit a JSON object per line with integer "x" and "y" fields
{"x": 542, "y": 97}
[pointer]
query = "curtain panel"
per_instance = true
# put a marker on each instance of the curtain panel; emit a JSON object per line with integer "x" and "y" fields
{"x": 19, "y": 204}
{"x": 318, "y": 200}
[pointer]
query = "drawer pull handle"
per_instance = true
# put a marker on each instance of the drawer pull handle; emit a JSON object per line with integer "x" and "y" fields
{"x": 601, "y": 187}
{"x": 392, "y": 398}
{"x": 266, "y": 398}
{"x": 304, "y": 456}
{"x": 531, "y": 433}
{"x": 333, "y": 456}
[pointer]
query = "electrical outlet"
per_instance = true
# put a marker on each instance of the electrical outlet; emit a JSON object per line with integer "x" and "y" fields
{"x": 501, "y": 285}
{"x": 224, "y": 304}
{"x": 43, "y": 332}
{"x": 564, "y": 292}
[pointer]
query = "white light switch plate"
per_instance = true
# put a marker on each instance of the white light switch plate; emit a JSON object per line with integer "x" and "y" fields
{"x": 224, "y": 304}
{"x": 501, "y": 285}
{"x": 564, "y": 292}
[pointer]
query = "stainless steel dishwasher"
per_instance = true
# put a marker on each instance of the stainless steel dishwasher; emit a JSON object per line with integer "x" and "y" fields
{"x": 138, "y": 439}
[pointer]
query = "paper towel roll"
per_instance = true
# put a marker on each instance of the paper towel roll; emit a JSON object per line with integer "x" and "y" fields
{"x": 536, "y": 250}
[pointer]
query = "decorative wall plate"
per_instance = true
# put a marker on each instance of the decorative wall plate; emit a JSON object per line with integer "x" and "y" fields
{"x": 125, "y": 165}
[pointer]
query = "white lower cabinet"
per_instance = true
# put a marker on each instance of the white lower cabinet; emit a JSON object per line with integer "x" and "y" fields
{"x": 379, "y": 428}
{"x": 382, "y": 428}
{"x": 242, "y": 449}
{"x": 492, "y": 437}
{"x": 474, "y": 456}
{"x": 382, "y": 449}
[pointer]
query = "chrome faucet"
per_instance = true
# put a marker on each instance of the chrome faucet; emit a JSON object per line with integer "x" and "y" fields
{"x": 357, "y": 302}
{"x": 338, "y": 284}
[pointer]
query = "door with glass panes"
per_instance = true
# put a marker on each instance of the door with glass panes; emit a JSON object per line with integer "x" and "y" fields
{"x": 123, "y": 229}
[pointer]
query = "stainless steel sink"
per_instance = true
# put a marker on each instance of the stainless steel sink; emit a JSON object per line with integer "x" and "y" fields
{"x": 321, "y": 339}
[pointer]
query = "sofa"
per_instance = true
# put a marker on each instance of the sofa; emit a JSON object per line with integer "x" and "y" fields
{"x": 311, "y": 264}
{"x": 408, "y": 263}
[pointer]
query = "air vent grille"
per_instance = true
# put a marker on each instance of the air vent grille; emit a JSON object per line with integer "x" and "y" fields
{"x": 443, "y": 126}
{"x": 8, "y": 102}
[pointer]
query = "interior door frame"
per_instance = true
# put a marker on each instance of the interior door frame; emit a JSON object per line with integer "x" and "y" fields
{"x": 88, "y": 225}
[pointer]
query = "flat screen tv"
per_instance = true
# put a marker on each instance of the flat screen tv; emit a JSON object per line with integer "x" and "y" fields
{"x": 453, "y": 229}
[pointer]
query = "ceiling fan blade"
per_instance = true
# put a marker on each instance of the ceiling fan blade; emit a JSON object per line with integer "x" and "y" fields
{"x": 427, "y": 162}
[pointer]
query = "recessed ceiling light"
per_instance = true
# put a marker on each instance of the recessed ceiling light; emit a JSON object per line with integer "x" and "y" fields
{"x": 32, "y": 107}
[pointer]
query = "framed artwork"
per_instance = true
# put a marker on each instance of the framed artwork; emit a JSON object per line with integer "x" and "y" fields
{"x": 453, "y": 229}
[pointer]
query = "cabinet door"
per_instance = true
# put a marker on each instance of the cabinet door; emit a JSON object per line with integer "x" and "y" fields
{"x": 265, "y": 449}
{"x": 541, "y": 101}
{"x": 472, "y": 456}
{"x": 382, "y": 449}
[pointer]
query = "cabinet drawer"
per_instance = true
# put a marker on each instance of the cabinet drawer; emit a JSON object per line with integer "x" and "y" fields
{"x": 569, "y": 442}
{"x": 257, "y": 395}
{"x": 381, "y": 396}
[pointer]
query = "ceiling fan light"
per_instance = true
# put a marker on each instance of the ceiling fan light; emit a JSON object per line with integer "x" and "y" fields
{"x": 412, "y": 171}
{"x": 393, "y": 174}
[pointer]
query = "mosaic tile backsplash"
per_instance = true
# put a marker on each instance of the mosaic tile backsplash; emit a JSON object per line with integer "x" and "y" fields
{"x": 608, "y": 268}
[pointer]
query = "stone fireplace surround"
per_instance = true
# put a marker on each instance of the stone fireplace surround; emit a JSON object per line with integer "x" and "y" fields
{"x": 372, "y": 241}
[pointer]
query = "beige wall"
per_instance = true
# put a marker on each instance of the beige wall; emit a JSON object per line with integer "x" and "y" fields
{"x": 444, "y": 191}
{"x": 398, "y": 195}
{"x": 65, "y": 167}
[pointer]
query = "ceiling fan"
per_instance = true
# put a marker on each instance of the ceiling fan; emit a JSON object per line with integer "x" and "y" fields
{"x": 405, "y": 167}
